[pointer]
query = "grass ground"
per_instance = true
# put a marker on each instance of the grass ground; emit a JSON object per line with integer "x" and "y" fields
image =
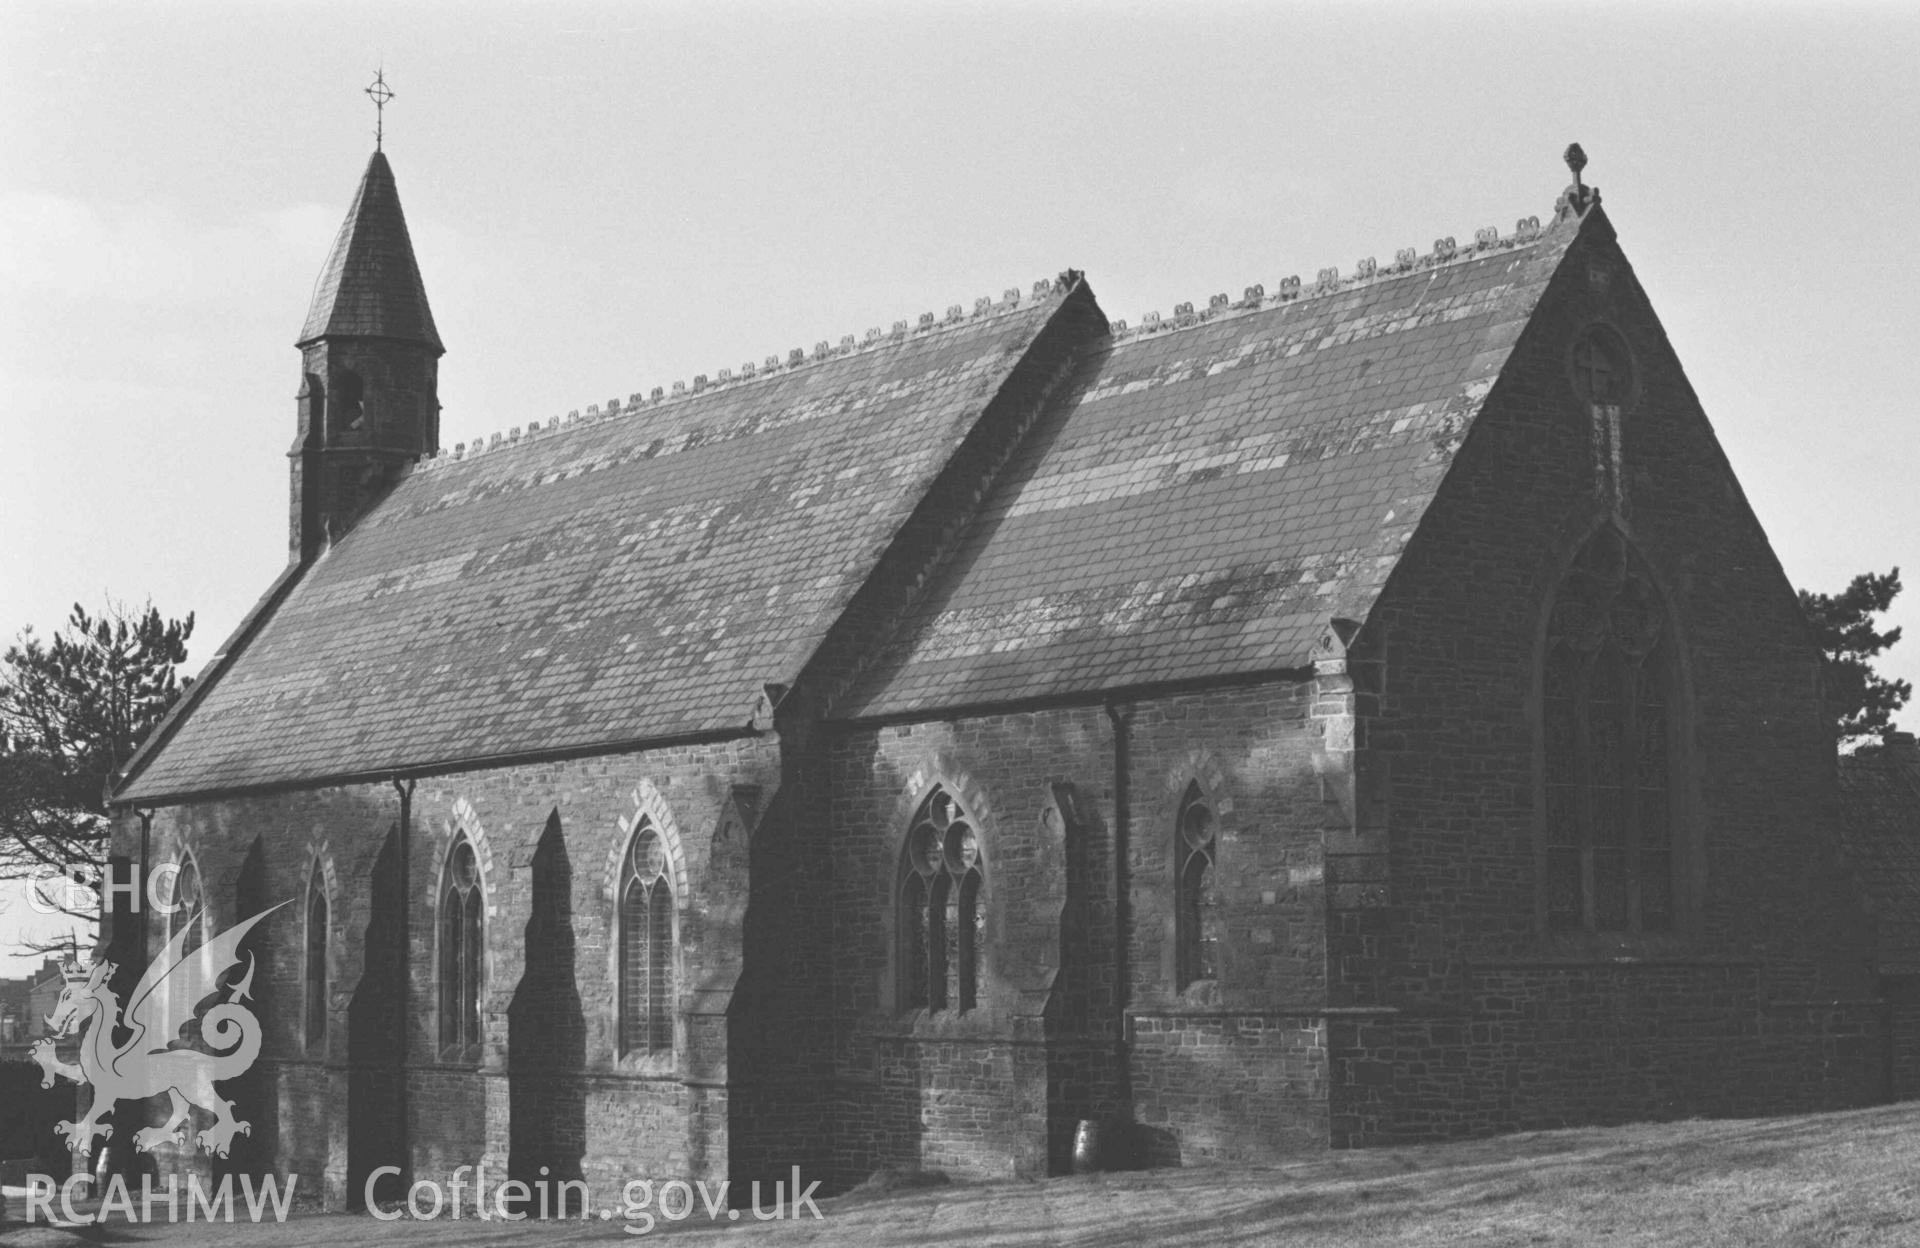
{"x": 1819, "y": 1180}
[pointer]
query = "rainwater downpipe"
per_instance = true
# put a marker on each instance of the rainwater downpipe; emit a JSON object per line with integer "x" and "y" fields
{"x": 405, "y": 790}
{"x": 1121, "y": 713}
{"x": 144, "y": 884}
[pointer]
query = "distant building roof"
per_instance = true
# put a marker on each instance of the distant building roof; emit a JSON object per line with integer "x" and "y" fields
{"x": 370, "y": 286}
{"x": 1880, "y": 795}
{"x": 14, "y": 994}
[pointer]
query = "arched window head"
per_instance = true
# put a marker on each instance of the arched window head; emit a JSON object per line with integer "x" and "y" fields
{"x": 1196, "y": 924}
{"x": 646, "y": 946}
{"x": 1606, "y": 718}
{"x": 317, "y": 917}
{"x": 462, "y": 949}
{"x": 189, "y": 914}
{"x": 943, "y": 913}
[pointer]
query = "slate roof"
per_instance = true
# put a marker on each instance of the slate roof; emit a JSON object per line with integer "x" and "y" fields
{"x": 370, "y": 286}
{"x": 633, "y": 577}
{"x": 1199, "y": 502}
{"x": 1219, "y": 492}
{"x": 1880, "y": 798}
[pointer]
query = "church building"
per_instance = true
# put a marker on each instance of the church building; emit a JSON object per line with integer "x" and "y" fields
{"x": 1355, "y": 711}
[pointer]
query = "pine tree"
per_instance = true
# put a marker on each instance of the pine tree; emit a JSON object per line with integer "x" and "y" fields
{"x": 72, "y": 712}
{"x": 1862, "y": 700}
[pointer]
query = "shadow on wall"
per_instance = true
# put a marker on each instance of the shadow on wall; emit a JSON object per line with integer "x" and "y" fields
{"x": 376, "y": 1040}
{"x": 1083, "y": 1076}
{"x": 780, "y": 1108}
{"x": 252, "y": 1153}
{"x": 547, "y": 1030}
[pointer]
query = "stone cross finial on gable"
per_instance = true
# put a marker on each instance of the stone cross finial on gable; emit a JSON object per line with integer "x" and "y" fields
{"x": 1576, "y": 159}
{"x": 1576, "y": 199}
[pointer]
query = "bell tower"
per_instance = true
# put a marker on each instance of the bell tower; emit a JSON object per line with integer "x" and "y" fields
{"x": 370, "y": 357}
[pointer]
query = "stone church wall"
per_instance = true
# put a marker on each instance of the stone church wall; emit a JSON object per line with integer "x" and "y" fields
{"x": 1214, "y": 1087}
{"x": 1232, "y": 1068}
{"x": 549, "y": 838}
{"x": 1568, "y": 1045}
{"x": 1498, "y": 1024}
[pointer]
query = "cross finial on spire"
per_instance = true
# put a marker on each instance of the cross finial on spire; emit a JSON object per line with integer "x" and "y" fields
{"x": 380, "y": 93}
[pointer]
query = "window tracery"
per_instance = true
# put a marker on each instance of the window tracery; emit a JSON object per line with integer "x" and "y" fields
{"x": 1197, "y": 906}
{"x": 462, "y": 949}
{"x": 646, "y": 946}
{"x": 1606, "y": 721}
{"x": 942, "y": 908}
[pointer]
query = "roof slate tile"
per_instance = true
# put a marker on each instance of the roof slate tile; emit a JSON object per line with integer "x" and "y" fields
{"x": 630, "y": 578}
{"x": 1201, "y": 507}
{"x": 1215, "y": 495}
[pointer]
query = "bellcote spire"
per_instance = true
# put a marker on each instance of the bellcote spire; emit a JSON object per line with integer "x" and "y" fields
{"x": 368, "y": 402}
{"x": 370, "y": 287}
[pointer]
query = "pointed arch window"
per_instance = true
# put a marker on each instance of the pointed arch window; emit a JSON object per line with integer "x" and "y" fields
{"x": 316, "y": 978}
{"x": 1606, "y": 717}
{"x": 189, "y": 906}
{"x": 942, "y": 917}
{"x": 646, "y": 946}
{"x": 1197, "y": 906}
{"x": 188, "y": 916}
{"x": 462, "y": 949}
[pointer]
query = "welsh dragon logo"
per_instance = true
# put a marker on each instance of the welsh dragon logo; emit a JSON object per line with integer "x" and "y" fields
{"x": 154, "y": 1058}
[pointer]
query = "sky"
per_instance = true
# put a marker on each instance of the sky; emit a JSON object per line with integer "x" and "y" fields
{"x": 605, "y": 198}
